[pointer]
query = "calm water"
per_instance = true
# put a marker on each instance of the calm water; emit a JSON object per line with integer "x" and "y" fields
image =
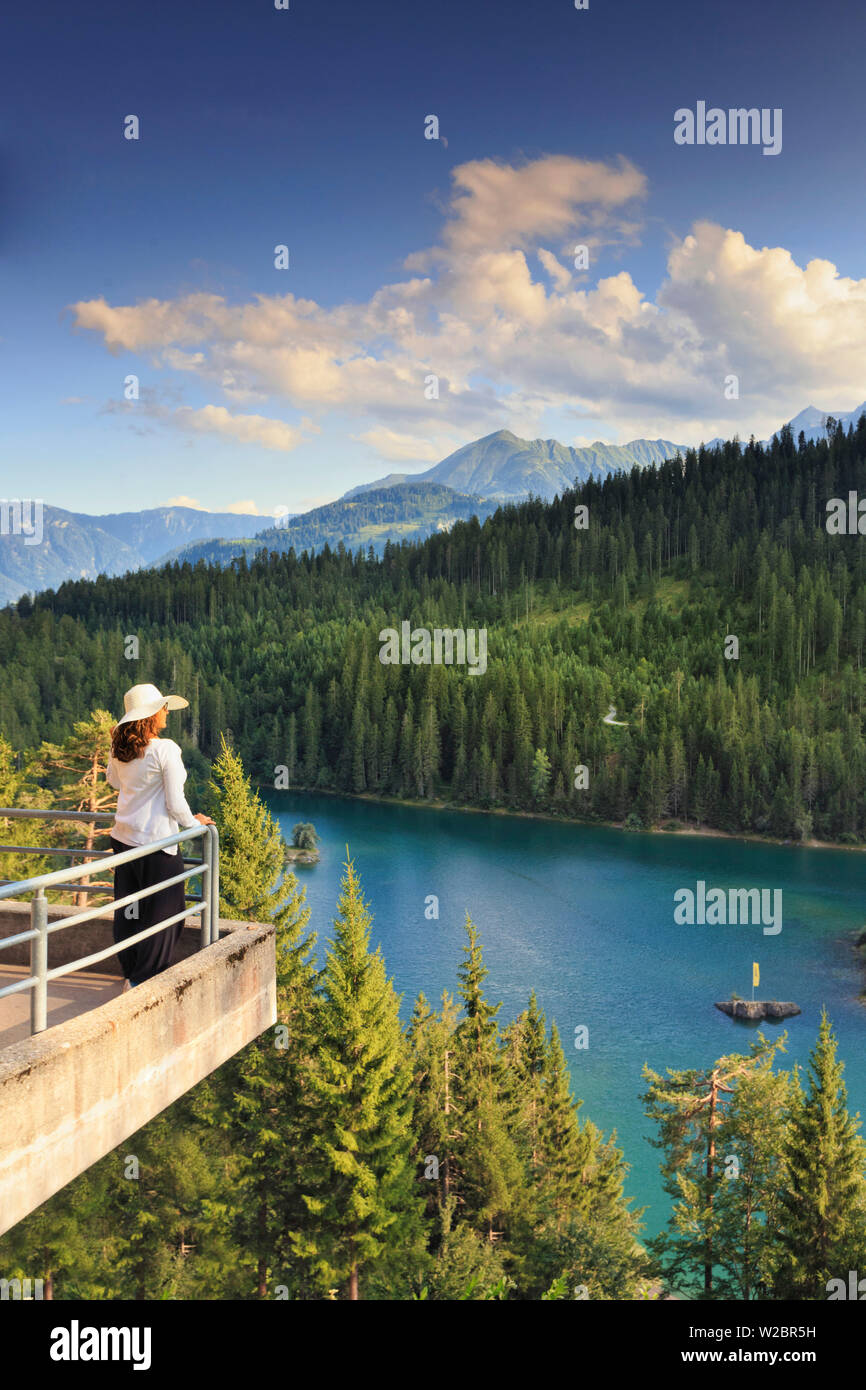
{"x": 585, "y": 917}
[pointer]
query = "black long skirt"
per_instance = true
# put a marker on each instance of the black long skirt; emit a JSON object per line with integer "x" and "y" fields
{"x": 155, "y": 954}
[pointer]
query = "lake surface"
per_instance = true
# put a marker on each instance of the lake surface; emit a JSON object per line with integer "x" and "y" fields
{"x": 585, "y": 916}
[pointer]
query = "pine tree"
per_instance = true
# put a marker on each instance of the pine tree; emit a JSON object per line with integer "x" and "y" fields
{"x": 74, "y": 772}
{"x": 689, "y": 1108}
{"x": 431, "y": 1038}
{"x": 257, "y": 1097}
{"x": 525, "y": 1047}
{"x": 564, "y": 1149}
{"x": 540, "y": 775}
{"x": 488, "y": 1172}
{"x": 54, "y": 1243}
{"x": 751, "y": 1146}
{"x": 19, "y": 790}
{"x": 360, "y": 1189}
{"x": 252, "y": 851}
{"x": 162, "y": 1223}
{"x": 822, "y": 1207}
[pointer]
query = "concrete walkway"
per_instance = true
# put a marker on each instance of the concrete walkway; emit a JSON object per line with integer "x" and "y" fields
{"x": 74, "y": 994}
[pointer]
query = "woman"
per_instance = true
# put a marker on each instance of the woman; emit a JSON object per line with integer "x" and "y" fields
{"x": 149, "y": 774}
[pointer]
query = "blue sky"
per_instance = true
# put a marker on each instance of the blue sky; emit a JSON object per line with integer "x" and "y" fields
{"x": 262, "y": 387}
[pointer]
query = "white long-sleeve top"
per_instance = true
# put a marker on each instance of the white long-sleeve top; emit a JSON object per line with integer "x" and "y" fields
{"x": 150, "y": 802}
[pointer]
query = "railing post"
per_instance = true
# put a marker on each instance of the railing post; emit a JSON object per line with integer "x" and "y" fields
{"x": 39, "y": 962}
{"x": 206, "y": 880}
{"x": 214, "y": 884}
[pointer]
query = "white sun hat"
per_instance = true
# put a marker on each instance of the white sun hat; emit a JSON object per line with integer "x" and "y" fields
{"x": 141, "y": 701}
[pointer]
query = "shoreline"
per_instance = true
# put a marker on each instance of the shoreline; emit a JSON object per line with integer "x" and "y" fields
{"x": 706, "y": 831}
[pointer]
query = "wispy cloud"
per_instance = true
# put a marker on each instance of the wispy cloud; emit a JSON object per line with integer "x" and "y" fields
{"x": 246, "y": 507}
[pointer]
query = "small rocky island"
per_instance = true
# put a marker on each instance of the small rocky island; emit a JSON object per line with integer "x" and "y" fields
{"x": 755, "y": 1009}
{"x": 293, "y": 855}
{"x": 303, "y": 849}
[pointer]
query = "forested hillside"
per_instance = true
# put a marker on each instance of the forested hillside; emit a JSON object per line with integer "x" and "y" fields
{"x": 633, "y": 611}
{"x": 410, "y": 511}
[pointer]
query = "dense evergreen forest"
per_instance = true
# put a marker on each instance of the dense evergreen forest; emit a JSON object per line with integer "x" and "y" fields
{"x": 345, "y": 1153}
{"x": 635, "y": 610}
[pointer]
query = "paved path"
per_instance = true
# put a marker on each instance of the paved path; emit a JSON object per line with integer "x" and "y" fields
{"x": 67, "y": 997}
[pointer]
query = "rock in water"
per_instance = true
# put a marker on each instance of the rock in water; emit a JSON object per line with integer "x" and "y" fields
{"x": 758, "y": 1008}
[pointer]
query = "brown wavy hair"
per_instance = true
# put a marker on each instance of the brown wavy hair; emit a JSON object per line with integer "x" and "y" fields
{"x": 128, "y": 741}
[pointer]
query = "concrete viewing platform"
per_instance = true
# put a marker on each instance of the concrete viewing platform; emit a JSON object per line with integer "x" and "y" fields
{"x": 67, "y": 998}
{"x": 109, "y": 1061}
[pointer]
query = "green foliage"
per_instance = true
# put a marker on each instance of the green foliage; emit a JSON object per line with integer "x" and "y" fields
{"x": 256, "y": 1100}
{"x": 283, "y": 651}
{"x": 358, "y": 1182}
{"x": 252, "y": 886}
{"x": 540, "y": 775}
{"x": 304, "y": 835}
{"x": 696, "y": 1118}
{"x": 467, "y": 1266}
{"x": 822, "y": 1202}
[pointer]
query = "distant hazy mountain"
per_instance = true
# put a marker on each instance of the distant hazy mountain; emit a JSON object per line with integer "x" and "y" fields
{"x": 409, "y": 511}
{"x": 812, "y": 421}
{"x": 472, "y": 481}
{"x": 151, "y": 533}
{"x": 77, "y": 546}
{"x": 503, "y": 467}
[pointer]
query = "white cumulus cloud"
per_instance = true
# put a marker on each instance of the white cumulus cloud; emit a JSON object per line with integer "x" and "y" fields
{"x": 494, "y": 314}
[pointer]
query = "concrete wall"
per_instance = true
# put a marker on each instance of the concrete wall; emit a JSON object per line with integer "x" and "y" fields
{"x": 76, "y": 942}
{"x": 73, "y": 1093}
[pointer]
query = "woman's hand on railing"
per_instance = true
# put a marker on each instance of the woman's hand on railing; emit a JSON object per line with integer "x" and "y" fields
{"x": 204, "y": 820}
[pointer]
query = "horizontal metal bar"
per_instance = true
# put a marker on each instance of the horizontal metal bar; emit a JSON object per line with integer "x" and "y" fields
{"x": 95, "y": 854}
{"x": 19, "y": 986}
{"x": 73, "y": 887}
{"x": 49, "y": 880}
{"x": 46, "y": 849}
{"x": 120, "y": 946}
{"x": 95, "y": 888}
{"x": 14, "y": 940}
{"x": 90, "y": 914}
{"x": 13, "y": 813}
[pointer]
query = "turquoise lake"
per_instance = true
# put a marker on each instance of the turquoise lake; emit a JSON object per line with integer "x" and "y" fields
{"x": 585, "y": 916}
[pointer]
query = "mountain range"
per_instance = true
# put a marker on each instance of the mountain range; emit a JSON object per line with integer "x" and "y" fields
{"x": 77, "y": 546}
{"x": 506, "y": 469}
{"x": 812, "y": 421}
{"x": 473, "y": 480}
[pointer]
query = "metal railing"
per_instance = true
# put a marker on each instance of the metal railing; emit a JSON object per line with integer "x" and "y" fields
{"x": 207, "y": 902}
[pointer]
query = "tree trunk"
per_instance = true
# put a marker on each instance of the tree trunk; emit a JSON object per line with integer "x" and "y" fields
{"x": 92, "y": 805}
{"x": 262, "y": 1290}
{"x": 447, "y": 1180}
{"x": 711, "y": 1155}
{"x": 353, "y": 1276}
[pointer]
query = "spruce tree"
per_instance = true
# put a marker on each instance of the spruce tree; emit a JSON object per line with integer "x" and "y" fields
{"x": 359, "y": 1184}
{"x": 751, "y": 1146}
{"x": 164, "y": 1220}
{"x": 253, "y": 887}
{"x": 689, "y": 1107}
{"x": 489, "y": 1174}
{"x": 256, "y": 1098}
{"x": 822, "y": 1207}
{"x": 431, "y": 1038}
{"x": 564, "y": 1148}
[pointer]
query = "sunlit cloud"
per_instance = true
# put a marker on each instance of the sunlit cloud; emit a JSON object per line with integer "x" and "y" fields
{"x": 493, "y": 328}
